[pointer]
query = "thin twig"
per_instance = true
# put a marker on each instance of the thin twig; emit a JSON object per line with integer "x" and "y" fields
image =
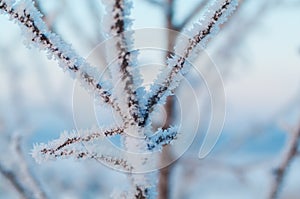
{"x": 281, "y": 171}
{"x": 126, "y": 59}
{"x": 57, "y": 147}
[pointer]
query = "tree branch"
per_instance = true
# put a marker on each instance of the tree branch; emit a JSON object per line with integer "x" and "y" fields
{"x": 57, "y": 148}
{"x": 30, "y": 20}
{"x": 124, "y": 72}
{"x": 281, "y": 171}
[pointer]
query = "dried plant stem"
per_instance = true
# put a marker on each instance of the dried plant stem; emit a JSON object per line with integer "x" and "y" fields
{"x": 52, "y": 44}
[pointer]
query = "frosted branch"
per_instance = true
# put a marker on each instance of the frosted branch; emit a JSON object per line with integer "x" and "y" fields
{"x": 202, "y": 31}
{"x": 124, "y": 72}
{"x": 61, "y": 147}
{"x": 30, "y": 20}
{"x": 83, "y": 154}
{"x": 162, "y": 138}
{"x": 133, "y": 107}
{"x": 141, "y": 193}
